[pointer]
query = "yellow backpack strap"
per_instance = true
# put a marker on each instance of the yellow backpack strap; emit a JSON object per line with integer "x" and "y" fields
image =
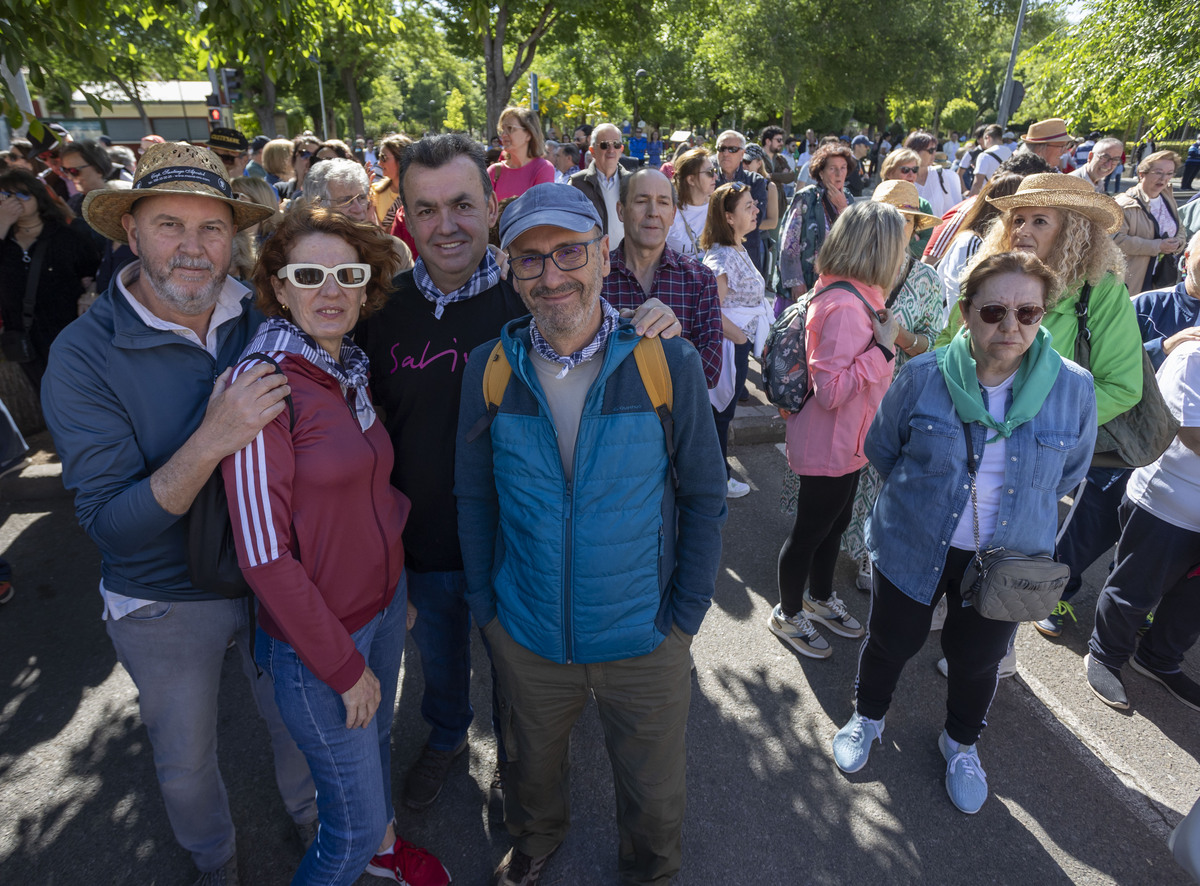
{"x": 652, "y": 366}
{"x": 496, "y": 374}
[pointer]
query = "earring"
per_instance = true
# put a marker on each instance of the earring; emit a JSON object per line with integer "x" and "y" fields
{"x": 283, "y": 307}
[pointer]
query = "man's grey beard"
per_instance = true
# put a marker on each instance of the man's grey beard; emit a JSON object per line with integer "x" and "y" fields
{"x": 181, "y": 298}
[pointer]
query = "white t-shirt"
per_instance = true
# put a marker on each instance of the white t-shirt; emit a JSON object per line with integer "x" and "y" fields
{"x": 942, "y": 189}
{"x": 987, "y": 162}
{"x": 1170, "y": 487}
{"x": 951, "y": 267}
{"x": 685, "y": 232}
{"x": 989, "y": 481}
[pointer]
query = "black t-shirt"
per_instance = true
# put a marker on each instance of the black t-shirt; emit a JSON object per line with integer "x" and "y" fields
{"x": 417, "y": 364}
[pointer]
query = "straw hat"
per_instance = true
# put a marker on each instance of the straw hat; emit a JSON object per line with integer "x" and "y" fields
{"x": 171, "y": 168}
{"x": 903, "y": 195}
{"x": 1060, "y": 191}
{"x": 1048, "y": 132}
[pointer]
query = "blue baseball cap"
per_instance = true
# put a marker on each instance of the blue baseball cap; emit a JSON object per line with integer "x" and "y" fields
{"x": 548, "y": 205}
{"x": 861, "y": 140}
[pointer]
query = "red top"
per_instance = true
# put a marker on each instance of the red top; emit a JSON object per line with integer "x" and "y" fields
{"x": 510, "y": 182}
{"x": 326, "y": 481}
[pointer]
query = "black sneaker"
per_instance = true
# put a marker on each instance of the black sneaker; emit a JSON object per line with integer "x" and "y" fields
{"x": 519, "y": 869}
{"x": 1106, "y": 683}
{"x": 1177, "y": 683}
{"x": 426, "y": 777}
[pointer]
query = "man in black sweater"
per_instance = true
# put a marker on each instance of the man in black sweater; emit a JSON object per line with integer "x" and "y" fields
{"x": 452, "y": 301}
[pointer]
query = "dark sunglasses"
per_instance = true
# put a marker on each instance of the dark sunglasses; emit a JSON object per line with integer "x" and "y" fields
{"x": 609, "y": 146}
{"x": 730, "y": 149}
{"x": 734, "y": 187}
{"x": 304, "y": 155}
{"x": 1027, "y": 315}
{"x": 909, "y": 170}
{"x": 76, "y": 170}
{"x": 709, "y": 171}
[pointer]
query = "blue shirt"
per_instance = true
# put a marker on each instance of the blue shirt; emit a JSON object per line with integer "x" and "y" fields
{"x": 1161, "y": 313}
{"x": 916, "y": 443}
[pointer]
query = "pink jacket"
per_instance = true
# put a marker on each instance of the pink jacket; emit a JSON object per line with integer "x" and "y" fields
{"x": 849, "y": 375}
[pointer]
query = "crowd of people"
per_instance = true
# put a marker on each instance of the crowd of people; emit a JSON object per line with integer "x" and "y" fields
{"x": 468, "y": 392}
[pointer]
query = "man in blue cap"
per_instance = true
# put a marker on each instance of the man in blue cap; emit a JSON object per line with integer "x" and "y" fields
{"x": 590, "y": 525}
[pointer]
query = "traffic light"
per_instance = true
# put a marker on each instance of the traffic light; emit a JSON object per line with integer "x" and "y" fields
{"x": 214, "y": 118}
{"x": 213, "y": 100}
{"x": 233, "y": 84}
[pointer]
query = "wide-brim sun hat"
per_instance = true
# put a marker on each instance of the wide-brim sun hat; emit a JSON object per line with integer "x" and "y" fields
{"x": 1059, "y": 191}
{"x": 171, "y": 168}
{"x": 903, "y": 195}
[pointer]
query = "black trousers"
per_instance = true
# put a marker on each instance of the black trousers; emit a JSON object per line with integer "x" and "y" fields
{"x": 1154, "y": 560}
{"x": 809, "y": 555}
{"x": 896, "y": 631}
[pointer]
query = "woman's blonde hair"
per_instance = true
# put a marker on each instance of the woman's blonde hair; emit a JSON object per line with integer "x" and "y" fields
{"x": 1147, "y": 162}
{"x": 1082, "y": 251}
{"x": 906, "y": 156}
{"x": 866, "y": 243}
{"x": 277, "y": 157}
{"x": 530, "y": 123}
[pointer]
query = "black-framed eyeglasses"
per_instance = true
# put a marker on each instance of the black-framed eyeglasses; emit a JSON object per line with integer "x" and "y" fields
{"x": 610, "y": 146}
{"x": 567, "y": 258}
{"x": 1027, "y": 315}
{"x": 730, "y": 149}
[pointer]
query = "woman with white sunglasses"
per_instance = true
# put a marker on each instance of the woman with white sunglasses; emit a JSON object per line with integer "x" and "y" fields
{"x": 318, "y": 527}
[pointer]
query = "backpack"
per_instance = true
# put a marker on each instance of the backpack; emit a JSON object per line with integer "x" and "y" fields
{"x": 651, "y": 364}
{"x": 211, "y": 553}
{"x": 785, "y": 353}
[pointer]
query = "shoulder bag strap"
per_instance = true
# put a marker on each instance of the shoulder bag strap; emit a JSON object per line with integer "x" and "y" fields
{"x": 971, "y": 472}
{"x": 31, "y": 284}
{"x": 1083, "y": 336}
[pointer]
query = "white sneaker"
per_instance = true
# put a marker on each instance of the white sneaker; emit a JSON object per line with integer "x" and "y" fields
{"x": 833, "y": 614}
{"x": 736, "y": 488}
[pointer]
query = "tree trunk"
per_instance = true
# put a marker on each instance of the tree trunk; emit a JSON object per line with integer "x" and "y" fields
{"x": 131, "y": 92}
{"x": 266, "y": 108}
{"x": 499, "y": 85}
{"x": 349, "y": 83}
{"x": 786, "y": 122}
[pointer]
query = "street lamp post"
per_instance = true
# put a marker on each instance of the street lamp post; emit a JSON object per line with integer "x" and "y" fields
{"x": 640, "y": 73}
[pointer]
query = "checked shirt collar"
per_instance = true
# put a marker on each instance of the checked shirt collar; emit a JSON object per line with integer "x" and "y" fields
{"x": 484, "y": 278}
{"x": 543, "y": 349}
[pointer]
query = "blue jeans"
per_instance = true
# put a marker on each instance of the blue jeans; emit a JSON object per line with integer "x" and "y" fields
{"x": 351, "y": 767}
{"x": 174, "y": 652}
{"x": 443, "y": 636}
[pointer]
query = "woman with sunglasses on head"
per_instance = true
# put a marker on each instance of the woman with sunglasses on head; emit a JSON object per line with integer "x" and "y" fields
{"x": 522, "y": 162}
{"x": 695, "y": 180}
{"x": 745, "y": 317}
{"x": 975, "y": 442}
{"x": 811, "y": 216}
{"x": 318, "y": 531}
{"x": 46, "y": 264}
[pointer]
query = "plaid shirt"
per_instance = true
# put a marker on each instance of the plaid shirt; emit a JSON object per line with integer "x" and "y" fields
{"x": 685, "y": 286}
{"x": 484, "y": 278}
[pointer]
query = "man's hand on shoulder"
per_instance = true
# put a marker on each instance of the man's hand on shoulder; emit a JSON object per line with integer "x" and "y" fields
{"x": 237, "y": 411}
{"x": 653, "y": 319}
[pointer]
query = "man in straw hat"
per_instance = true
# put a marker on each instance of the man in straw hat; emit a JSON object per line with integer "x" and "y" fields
{"x": 1048, "y": 139}
{"x": 140, "y": 426}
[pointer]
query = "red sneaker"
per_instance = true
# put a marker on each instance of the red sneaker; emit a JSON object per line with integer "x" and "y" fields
{"x": 409, "y": 865}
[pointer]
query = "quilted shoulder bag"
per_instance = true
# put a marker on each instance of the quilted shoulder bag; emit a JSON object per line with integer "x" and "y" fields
{"x": 1007, "y": 585}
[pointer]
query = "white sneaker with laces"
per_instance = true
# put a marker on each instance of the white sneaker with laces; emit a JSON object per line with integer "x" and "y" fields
{"x": 833, "y": 614}
{"x": 736, "y": 488}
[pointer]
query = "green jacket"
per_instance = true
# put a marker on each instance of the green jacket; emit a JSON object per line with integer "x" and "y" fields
{"x": 1116, "y": 355}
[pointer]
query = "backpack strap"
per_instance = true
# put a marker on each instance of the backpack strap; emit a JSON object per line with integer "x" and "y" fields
{"x": 496, "y": 374}
{"x": 652, "y": 366}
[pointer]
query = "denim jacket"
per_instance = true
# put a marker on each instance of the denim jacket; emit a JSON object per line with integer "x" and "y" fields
{"x": 916, "y": 443}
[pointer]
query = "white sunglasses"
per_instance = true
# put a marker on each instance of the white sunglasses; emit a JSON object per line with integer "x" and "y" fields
{"x": 351, "y": 275}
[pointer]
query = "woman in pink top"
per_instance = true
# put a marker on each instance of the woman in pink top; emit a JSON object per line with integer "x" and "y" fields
{"x": 522, "y": 165}
{"x": 850, "y": 340}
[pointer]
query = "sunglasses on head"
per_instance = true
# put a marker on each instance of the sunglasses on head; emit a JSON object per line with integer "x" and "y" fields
{"x": 610, "y": 146}
{"x": 312, "y": 276}
{"x": 734, "y": 187}
{"x": 1027, "y": 315}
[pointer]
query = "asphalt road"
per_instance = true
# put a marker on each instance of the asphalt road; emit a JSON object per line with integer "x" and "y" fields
{"x": 1080, "y": 793}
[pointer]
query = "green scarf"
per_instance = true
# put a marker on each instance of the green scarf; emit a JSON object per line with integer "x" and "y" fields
{"x": 1035, "y": 377}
